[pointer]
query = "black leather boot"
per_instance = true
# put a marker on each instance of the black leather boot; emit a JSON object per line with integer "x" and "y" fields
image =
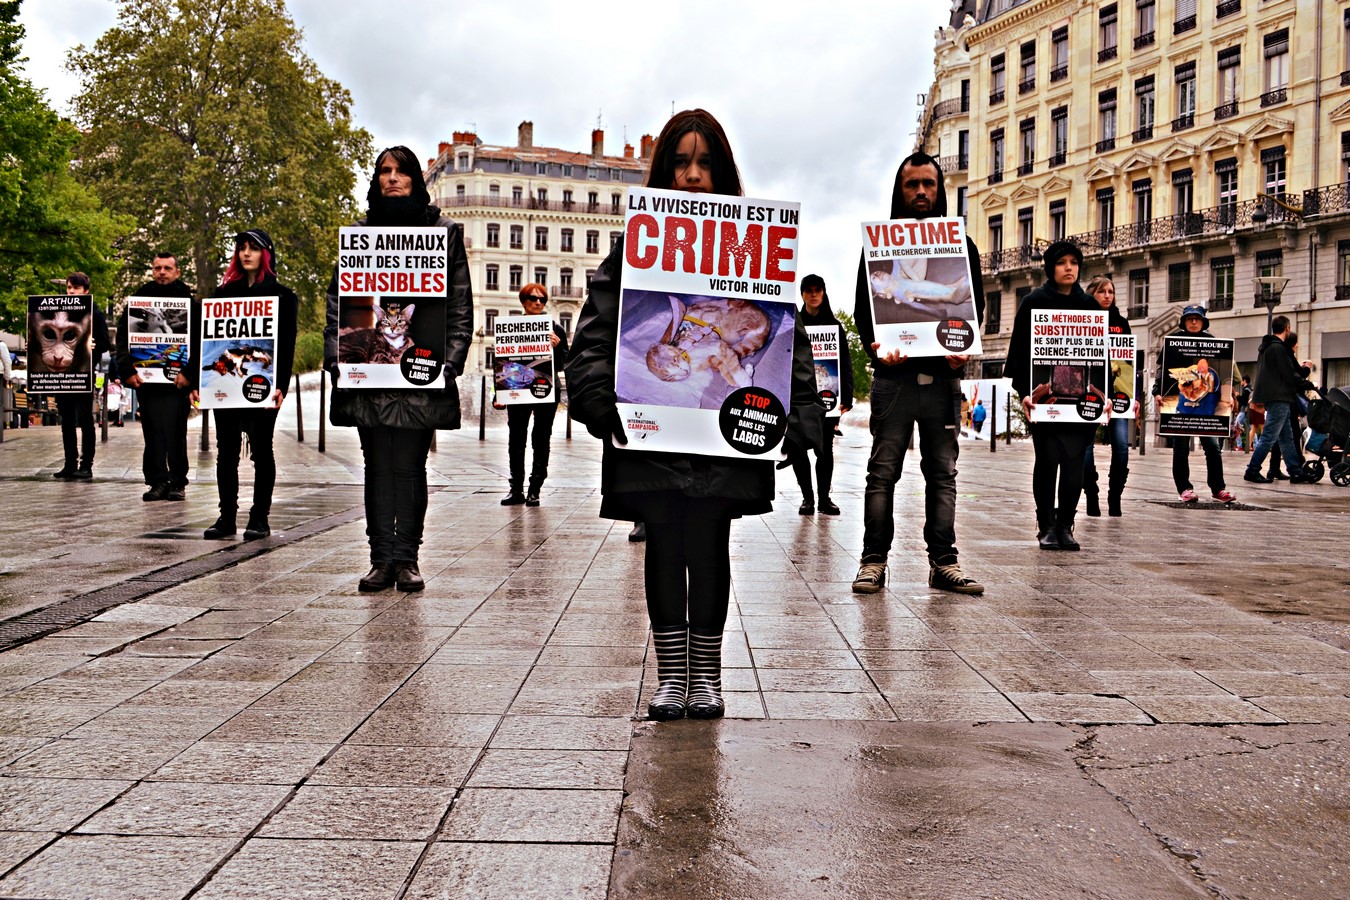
{"x": 1117, "y": 488}
{"x": 1045, "y": 531}
{"x": 1091, "y": 494}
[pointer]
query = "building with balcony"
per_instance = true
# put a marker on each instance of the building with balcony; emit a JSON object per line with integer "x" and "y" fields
{"x": 532, "y": 214}
{"x": 1187, "y": 146}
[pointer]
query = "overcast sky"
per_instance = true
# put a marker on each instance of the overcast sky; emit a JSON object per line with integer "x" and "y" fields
{"x": 818, "y": 99}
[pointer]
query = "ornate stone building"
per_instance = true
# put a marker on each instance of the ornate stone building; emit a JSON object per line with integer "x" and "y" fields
{"x": 532, "y": 214}
{"x": 1188, "y": 146}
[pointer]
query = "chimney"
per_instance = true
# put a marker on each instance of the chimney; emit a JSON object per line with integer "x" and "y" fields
{"x": 525, "y": 135}
{"x": 627, "y": 151}
{"x": 648, "y": 142}
{"x": 442, "y": 148}
{"x": 597, "y": 143}
{"x": 464, "y": 137}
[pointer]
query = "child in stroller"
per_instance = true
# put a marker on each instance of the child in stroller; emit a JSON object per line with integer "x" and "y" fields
{"x": 1328, "y": 436}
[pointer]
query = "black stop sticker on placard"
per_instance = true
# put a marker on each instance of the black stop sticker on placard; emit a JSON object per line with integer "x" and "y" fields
{"x": 1121, "y": 403}
{"x": 955, "y": 335}
{"x": 1090, "y": 408}
{"x": 541, "y": 386}
{"x": 420, "y": 366}
{"x": 752, "y": 420}
{"x": 830, "y": 399}
{"x": 257, "y": 388}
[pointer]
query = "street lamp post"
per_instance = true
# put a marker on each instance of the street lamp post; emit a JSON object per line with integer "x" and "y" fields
{"x": 1268, "y": 291}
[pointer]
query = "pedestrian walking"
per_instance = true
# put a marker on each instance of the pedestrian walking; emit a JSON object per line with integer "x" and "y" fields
{"x": 977, "y": 417}
{"x": 396, "y": 426}
{"x": 816, "y": 311}
{"x": 1103, "y": 290}
{"x": 685, "y": 500}
{"x": 77, "y": 409}
{"x": 534, "y": 301}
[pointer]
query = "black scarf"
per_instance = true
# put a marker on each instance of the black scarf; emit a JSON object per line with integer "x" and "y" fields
{"x": 401, "y": 211}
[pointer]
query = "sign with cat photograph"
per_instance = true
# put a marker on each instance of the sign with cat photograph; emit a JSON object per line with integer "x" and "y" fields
{"x": 1196, "y": 386}
{"x": 60, "y": 344}
{"x": 704, "y": 359}
{"x": 522, "y": 360}
{"x": 158, "y": 337}
{"x": 1068, "y": 366}
{"x": 825, "y": 352}
{"x": 922, "y": 299}
{"x": 238, "y": 353}
{"x": 1123, "y": 368}
{"x": 392, "y": 284}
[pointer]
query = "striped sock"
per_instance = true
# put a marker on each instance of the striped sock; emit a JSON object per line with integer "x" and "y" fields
{"x": 705, "y": 675}
{"x": 672, "y": 664}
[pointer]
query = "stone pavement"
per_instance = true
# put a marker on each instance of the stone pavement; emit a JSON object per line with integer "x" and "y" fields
{"x": 1112, "y": 723}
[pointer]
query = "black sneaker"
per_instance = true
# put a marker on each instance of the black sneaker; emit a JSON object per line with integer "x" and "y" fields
{"x": 871, "y": 578}
{"x": 257, "y": 529}
{"x": 1255, "y": 477}
{"x": 64, "y": 474}
{"x": 946, "y": 575}
{"x": 83, "y": 474}
{"x": 224, "y": 527}
{"x": 176, "y": 494}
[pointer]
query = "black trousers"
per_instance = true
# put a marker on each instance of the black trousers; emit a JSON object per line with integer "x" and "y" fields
{"x": 518, "y": 424}
{"x": 801, "y": 464}
{"x": 164, "y": 418}
{"x": 77, "y": 412}
{"x": 688, "y": 560}
{"x": 1060, "y": 448}
{"x": 396, "y": 490}
{"x": 231, "y": 426}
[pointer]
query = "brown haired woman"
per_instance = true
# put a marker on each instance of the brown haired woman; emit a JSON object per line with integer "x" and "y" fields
{"x": 686, "y": 500}
{"x": 1103, "y": 290}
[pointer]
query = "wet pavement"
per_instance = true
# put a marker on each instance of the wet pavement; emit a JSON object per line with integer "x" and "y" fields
{"x": 1135, "y": 720}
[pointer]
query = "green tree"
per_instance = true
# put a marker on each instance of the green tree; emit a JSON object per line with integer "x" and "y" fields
{"x": 862, "y": 366}
{"x": 49, "y": 224}
{"x": 205, "y": 117}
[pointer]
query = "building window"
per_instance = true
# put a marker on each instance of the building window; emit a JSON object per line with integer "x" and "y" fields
{"x": 1059, "y": 136}
{"x": 494, "y": 235}
{"x": 515, "y": 165}
{"x": 1058, "y": 219}
{"x": 517, "y": 237}
{"x": 1143, "y": 201}
{"x": 1106, "y": 33}
{"x": 1144, "y": 108}
{"x": 1272, "y": 160}
{"x": 1106, "y": 120}
{"x": 1026, "y": 73}
{"x": 567, "y": 195}
{"x": 565, "y": 240}
{"x": 490, "y": 320}
{"x": 1146, "y": 23}
{"x": 1179, "y": 282}
{"x": 614, "y": 203}
{"x": 997, "y": 80}
{"x": 541, "y": 238}
{"x": 492, "y": 276}
{"x": 1028, "y": 129}
{"x": 1225, "y": 174}
{"x": 462, "y": 162}
{"x": 459, "y": 192}
{"x": 996, "y": 233}
{"x": 565, "y": 320}
{"x": 1106, "y": 210}
{"x": 996, "y": 156}
{"x": 1270, "y": 263}
{"x": 962, "y": 150}
{"x": 541, "y": 275}
{"x": 1138, "y": 304}
{"x": 1345, "y": 155}
{"x": 1185, "y": 17}
{"x": 517, "y": 278}
{"x": 965, "y": 95}
{"x": 593, "y": 201}
{"x": 614, "y": 238}
{"x": 592, "y": 242}
{"x": 1226, "y": 8}
{"x": 1059, "y": 54}
{"x": 1230, "y": 76}
{"x": 961, "y": 201}
{"x": 517, "y": 195}
{"x": 1183, "y": 192}
{"x": 1222, "y": 282}
{"x": 567, "y": 173}
{"x": 495, "y": 192}
{"x": 541, "y": 194}
{"x": 1026, "y": 235}
{"x": 1185, "y": 78}
{"x": 1277, "y": 67}
{"x": 590, "y": 276}
{"x": 1343, "y": 270}
{"x": 565, "y": 282}
{"x": 541, "y": 168}
{"x": 993, "y": 311}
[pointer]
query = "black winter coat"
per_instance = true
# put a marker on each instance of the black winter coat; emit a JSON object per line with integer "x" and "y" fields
{"x": 1017, "y": 366}
{"x": 826, "y": 317}
{"x": 436, "y": 409}
{"x": 125, "y": 369}
{"x": 1278, "y": 376}
{"x": 288, "y": 323}
{"x": 592, "y": 402}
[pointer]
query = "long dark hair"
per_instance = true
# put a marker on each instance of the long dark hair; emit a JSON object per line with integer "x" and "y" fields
{"x": 408, "y": 165}
{"x": 726, "y": 177}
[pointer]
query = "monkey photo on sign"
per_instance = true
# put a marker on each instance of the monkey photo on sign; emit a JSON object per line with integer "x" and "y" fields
{"x": 65, "y": 340}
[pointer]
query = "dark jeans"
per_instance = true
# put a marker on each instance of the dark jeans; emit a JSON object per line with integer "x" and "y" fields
{"x": 1060, "y": 450}
{"x": 1181, "y": 464}
{"x": 1118, "y": 435}
{"x": 801, "y": 464}
{"x": 688, "y": 560}
{"x": 396, "y": 490}
{"x": 231, "y": 426}
{"x": 518, "y": 424}
{"x": 1279, "y": 428}
{"x": 897, "y": 408}
{"x": 77, "y": 411}
{"x": 164, "y": 418}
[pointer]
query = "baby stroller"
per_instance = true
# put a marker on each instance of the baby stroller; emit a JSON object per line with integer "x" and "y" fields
{"x": 1329, "y": 427}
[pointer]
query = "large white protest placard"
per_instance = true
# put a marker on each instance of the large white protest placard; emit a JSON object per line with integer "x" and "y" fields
{"x": 238, "y": 353}
{"x": 1124, "y": 357}
{"x": 391, "y": 307}
{"x": 922, "y": 299}
{"x": 522, "y": 360}
{"x": 60, "y": 344}
{"x": 825, "y": 352}
{"x": 1068, "y": 365}
{"x": 158, "y": 335}
{"x": 706, "y": 322}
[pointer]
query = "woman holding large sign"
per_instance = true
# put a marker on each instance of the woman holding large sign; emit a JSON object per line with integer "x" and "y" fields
{"x": 1123, "y": 405}
{"x": 399, "y": 320}
{"x": 728, "y": 349}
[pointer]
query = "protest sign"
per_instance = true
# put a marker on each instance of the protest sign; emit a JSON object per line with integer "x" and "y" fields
{"x": 1124, "y": 356}
{"x": 238, "y": 353}
{"x": 391, "y": 307}
{"x": 60, "y": 344}
{"x": 1068, "y": 365}
{"x": 704, "y": 357}
{"x": 922, "y": 299}
{"x": 825, "y": 352}
{"x": 1196, "y": 386}
{"x": 158, "y": 336}
{"x": 522, "y": 360}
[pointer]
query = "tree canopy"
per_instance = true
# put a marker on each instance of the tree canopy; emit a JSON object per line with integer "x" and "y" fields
{"x": 50, "y": 225}
{"x": 203, "y": 118}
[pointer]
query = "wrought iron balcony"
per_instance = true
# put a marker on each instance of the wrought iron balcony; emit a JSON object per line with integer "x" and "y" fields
{"x": 948, "y": 108}
{"x": 1026, "y": 85}
{"x": 956, "y": 163}
{"x": 995, "y": 98}
{"x": 1144, "y": 40}
{"x": 1221, "y": 303}
{"x": 1343, "y": 292}
{"x": 996, "y": 177}
{"x": 1181, "y": 26}
{"x": 1329, "y": 200}
{"x": 1106, "y": 54}
{"x": 469, "y": 200}
{"x": 1137, "y": 311}
{"x": 1059, "y": 73}
{"x": 1275, "y": 97}
{"x": 1105, "y": 145}
{"x": 1182, "y": 122}
{"x": 1142, "y": 133}
{"x": 1058, "y": 159}
{"x": 1225, "y": 110}
{"x": 1227, "y": 8}
{"x": 1025, "y": 167}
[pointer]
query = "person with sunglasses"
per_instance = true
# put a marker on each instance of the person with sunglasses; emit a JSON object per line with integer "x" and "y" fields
{"x": 534, "y": 300}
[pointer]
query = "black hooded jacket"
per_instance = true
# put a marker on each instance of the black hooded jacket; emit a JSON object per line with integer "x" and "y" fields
{"x": 826, "y": 317}
{"x": 1278, "y": 376}
{"x": 936, "y": 366}
{"x": 1017, "y": 366}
